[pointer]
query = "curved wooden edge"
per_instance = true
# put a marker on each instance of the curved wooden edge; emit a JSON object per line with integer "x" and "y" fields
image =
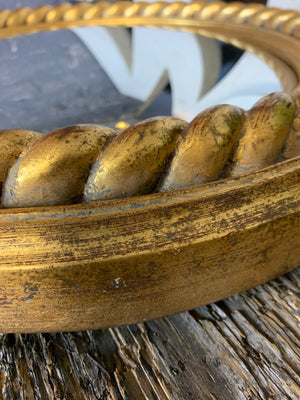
{"x": 97, "y": 265}
{"x": 143, "y": 202}
{"x": 275, "y": 42}
{"x": 111, "y": 268}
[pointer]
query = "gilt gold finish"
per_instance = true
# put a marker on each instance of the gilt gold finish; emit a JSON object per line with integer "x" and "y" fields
{"x": 115, "y": 259}
{"x": 266, "y": 127}
{"x": 55, "y": 168}
{"x": 135, "y": 160}
{"x": 205, "y": 147}
{"x": 13, "y": 143}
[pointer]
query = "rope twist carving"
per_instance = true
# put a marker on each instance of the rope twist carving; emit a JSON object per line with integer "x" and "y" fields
{"x": 254, "y": 14}
{"x": 90, "y": 162}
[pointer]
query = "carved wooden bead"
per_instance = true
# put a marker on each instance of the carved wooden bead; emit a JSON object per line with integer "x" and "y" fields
{"x": 135, "y": 161}
{"x": 55, "y": 168}
{"x": 13, "y": 143}
{"x": 266, "y": 127}
{"x": 205, "y": 147}
{"x": 292, "y": 146}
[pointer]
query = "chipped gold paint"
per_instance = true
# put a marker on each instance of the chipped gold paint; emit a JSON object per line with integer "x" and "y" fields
{"x": 13, "y": 143}
{"x": 266, "y": 127}
{"x": 55, "y": 168}
{"x": 292, "y": 146}
{"x": 59, "y": 265}
{"x": 135, "y": 161}
{"x": 205, "y": 148}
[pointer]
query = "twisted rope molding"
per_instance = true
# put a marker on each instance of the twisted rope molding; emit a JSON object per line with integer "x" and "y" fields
{"x": 91, "y": 162}
{"x": 209, "y": 19}
{"x": 27, "y": 20}
{"x": 54, "y": 171}
{"x": 101, "y": 264}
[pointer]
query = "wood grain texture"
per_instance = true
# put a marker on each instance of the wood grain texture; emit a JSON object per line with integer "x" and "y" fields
{"x": 245, "y": 347}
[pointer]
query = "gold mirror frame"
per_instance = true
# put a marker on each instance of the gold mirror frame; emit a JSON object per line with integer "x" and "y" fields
{"x": 102, "y": 264}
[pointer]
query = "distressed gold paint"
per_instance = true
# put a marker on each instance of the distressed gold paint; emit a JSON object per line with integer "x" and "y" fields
{"x": 266, "y": 127}
{"x": 135, "y": 161}
{"x": 174, "y": 250}
{"x": 292, "y": 145}
{"x": 205, "y": 147}
{"x": 55, "y": 168}
{"x": 13, "y": 143}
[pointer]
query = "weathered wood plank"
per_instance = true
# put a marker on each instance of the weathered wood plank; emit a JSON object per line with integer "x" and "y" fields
{"x": 245, "y": 347}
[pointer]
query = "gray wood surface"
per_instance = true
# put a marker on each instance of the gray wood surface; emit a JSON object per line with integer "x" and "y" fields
{"x": 245, "y": 347}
